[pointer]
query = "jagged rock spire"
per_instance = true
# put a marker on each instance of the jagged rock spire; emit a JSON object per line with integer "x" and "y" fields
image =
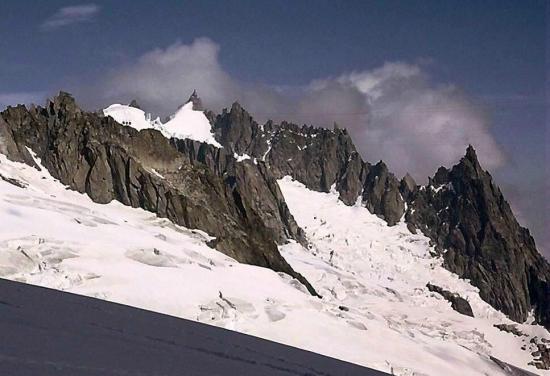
{"x": 196, "y": 100}
{"x": 470, "y": 162}
{"x": 407, "y": 186}
{"x": 63, "y": 98}
{"x": 471, "y": 223}
{"x": 64, "y": 101}
{"x": 471, "y": 153}
{"x": 135, "y": 104}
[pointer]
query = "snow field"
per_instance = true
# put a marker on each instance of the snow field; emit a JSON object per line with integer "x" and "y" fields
{"x": 375, "y": 309}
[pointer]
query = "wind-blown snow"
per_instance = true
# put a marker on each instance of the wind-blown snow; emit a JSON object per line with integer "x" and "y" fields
{"x": 375, "y": 309}
{"x": 185, "y": 123}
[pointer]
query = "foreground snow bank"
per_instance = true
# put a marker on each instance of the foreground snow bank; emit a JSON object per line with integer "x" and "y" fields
{"x": 375, "y": 310}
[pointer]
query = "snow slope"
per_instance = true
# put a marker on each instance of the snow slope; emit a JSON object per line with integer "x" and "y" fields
{"x": 188, "y": 123}
{"x": 93, "y": 337}
{"x": 375, "y": 309}
{"x": 185, "y": 123}
{"x": 131, "y": 116}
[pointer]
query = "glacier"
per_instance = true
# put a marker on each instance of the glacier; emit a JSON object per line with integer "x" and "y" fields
{"x": 375, "y": 308}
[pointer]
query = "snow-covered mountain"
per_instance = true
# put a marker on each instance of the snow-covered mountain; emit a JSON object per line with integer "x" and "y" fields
{"x": 236, "y": 242}
{"x": 187, "y": 122}
{"x": 375, "y": 311}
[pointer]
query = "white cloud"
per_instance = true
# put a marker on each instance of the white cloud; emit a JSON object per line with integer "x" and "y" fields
{"x": 394, "y": 112}
{"x": 416, "y": 125}
{"x": 163, "y": 78}
{"x": 70, "y": 15}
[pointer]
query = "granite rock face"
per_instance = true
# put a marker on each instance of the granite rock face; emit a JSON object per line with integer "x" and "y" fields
{"x": 135, "y": 104}
{"x": 461, "y": 210}
{"x": 317, "y": 157}
{"x": 196, "y": 100}
{"x": 472, "y": 225}
{"x": 458, "y": 303}
{"x": 192, "y": 184}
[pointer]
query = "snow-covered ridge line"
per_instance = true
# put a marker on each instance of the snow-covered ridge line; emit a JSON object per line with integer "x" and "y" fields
{"x": 185, "y": 123}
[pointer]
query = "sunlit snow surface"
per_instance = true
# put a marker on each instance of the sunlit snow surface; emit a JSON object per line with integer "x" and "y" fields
{"x": 375, "y": 309}
{"x": 185, "y": 123}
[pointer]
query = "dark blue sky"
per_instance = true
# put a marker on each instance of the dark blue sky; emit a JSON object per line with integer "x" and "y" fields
{"x": 486, "y": 47}
{"x": 495, "y": 51}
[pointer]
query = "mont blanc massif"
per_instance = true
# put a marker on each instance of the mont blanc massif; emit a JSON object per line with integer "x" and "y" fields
{"x": 275, "y": 230}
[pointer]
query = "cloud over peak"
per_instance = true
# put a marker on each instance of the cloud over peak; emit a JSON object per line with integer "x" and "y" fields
{"x": 70, "y": 15}
{"x": 417, "y": 125}
{"x": 163, "y": 78}
{"x": 395, "y": 112}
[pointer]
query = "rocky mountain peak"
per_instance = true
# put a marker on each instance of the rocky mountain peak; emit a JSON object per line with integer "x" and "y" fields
{"x": 409, "y": 181}
{"x": 198, "y": 185}
{"x": 64, "y": 102}
{"x": 236, "y": 130}
{"x": 381, "y": 167}
{"x": 407, "y": 186}
{"x": 381, "y": 194}
{"x": 196, "y": 100}
{"x": 461, "y": 210}
{"x": 441, "y": 177}
{"x": 471, "y": 223}
{"x": 471, "y": 154}
{"x": 237, "y": 108}
{"x": 317, "y": 157}
{"x": 470, "y": 163}
{"x": 135, "y": 104}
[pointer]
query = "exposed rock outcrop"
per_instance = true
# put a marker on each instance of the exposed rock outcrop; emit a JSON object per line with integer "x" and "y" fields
{"x": 317, "y": 157}
{"x": 509, "y": 328}
{"x": 197, "y": 102}
{"x": 13, "y": 181}
{"x": 541, "y": 355}
{"x": 461, "y": 210}
{"x": 472, "y": 225}
{"x": 192, "y": 184}
{"x": 458, "y": 303}
{"x": 381, "y": 194}
{"x": 135, "y": 104}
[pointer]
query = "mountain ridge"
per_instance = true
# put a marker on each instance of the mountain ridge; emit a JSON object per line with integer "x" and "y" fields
{"x": 472, "y": 228}
{"x": 501, "y": 258}
{"x": 95, "y": 155}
